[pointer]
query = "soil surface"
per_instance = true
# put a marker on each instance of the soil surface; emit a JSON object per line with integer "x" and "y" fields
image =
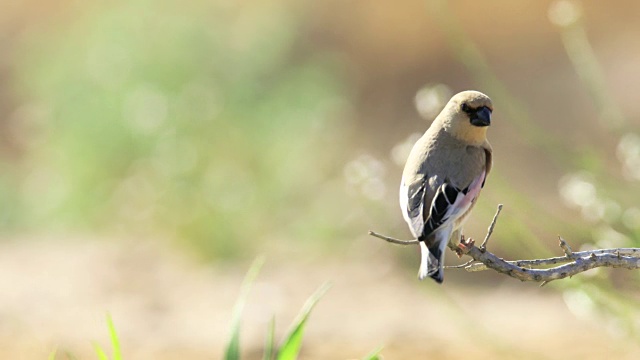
{"x": 56, "y": 294}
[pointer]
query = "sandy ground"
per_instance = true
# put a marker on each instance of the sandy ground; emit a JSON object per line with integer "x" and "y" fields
{"x": 55, "y": 294}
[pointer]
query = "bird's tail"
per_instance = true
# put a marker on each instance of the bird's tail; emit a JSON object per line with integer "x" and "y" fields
{"x": 432, "y": 261}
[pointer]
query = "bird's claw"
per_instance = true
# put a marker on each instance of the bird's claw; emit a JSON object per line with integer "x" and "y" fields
{"x": 464, "y": 246}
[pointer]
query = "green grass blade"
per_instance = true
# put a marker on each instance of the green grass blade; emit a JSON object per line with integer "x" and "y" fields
{"x": 101, "y": 354}
{"x": 52, "y": 354}
{"x": 70, "y": 356}
{"x": 268, "y": 346}
{"x": 374, "y": 355}
{"x": 115, "y": 343}
{"x": 233, "y": 347}
{"x": 293, "y": 340}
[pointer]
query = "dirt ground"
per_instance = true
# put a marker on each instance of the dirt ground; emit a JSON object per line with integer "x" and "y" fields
{"x": 55, "y": 295}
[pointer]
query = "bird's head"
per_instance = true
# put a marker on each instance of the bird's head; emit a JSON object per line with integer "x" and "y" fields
{"x": 467, "y": 116}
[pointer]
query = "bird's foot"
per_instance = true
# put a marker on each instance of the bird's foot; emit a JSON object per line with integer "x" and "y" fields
{"x": 464, "y": 246}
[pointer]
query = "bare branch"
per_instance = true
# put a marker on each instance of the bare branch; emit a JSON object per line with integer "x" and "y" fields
{"x": 577, "y": 265}
{"x": 483, "y": 246}
{"x": 565, "y": 247}
{"x": 461, "y": 266}
{"x": 629, "y": 252}
{"x": 572, "y": 262}
{"x": 393, "y": 240}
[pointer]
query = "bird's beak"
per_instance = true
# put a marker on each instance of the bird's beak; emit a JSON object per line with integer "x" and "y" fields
{"x": 482, "y": 117}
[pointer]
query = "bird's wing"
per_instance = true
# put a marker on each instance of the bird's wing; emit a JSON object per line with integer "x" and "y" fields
{"x": 488, "y": 158}
{"x": 411, "y": 204}
{"x": 450, "y": 202}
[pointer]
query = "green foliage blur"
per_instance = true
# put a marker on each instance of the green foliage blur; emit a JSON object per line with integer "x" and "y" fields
{"x": 190, "y": 122}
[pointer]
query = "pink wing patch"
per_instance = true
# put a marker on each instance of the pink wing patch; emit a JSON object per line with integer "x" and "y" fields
{"x": 474, "y": 191}
{"x": 451, "y": 204}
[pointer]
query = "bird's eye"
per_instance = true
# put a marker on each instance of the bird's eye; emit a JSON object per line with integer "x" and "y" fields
{"x": 465, "y": 108}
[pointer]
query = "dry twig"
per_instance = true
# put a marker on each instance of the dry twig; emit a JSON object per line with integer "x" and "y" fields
{"x": 483, "y": 246}
{"x": 572, "y": 262}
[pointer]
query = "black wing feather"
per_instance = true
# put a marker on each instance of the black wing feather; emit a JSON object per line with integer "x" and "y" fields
{"x": 416, "y": 196}
{"x": 446, "y": 195}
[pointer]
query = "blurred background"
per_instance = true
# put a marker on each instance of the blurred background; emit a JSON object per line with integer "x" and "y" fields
{"x": 149, "y": 151}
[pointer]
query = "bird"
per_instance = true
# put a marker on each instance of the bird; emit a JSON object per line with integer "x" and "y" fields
{"x": 443, "y": 176}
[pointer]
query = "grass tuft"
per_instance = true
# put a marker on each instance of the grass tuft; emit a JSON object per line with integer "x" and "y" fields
{"x": 233, "y": 348}
{"x": 293, "y": 340}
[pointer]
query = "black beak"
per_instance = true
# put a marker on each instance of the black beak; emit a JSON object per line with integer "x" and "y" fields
{"x": 482, "y": 117}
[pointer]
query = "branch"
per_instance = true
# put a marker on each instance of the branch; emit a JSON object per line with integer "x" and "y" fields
{"x": 393, "y": 240}
{"x": 573, "y": 262}
{"x": 483, "y": 246}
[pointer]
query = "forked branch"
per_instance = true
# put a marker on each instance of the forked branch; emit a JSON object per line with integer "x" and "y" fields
{"x": 572, "y": 262}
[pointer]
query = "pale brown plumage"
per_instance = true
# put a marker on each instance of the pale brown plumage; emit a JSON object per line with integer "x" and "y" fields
{"x": 443, "y": 175}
